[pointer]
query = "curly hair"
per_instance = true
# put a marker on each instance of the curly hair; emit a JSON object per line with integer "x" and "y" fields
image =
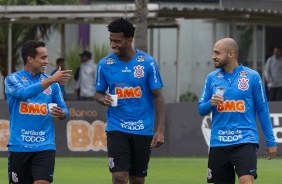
{"x": 122, "y": 25}
{"x": 29, "y": 49}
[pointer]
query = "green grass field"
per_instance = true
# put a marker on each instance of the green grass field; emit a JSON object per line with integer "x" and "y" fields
{"x": 162, "y": 170}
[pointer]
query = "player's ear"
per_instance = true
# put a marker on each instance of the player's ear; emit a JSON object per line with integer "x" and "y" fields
{"x": 29, "y": 59}
{"x": 231, "y": 54}
{"x": 130, "y": 40}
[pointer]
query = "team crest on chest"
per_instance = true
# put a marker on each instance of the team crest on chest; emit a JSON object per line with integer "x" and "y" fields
{"x": 138, "y": 71}
{"x": 47, "y": 91}
{"x": 243, "y": 84}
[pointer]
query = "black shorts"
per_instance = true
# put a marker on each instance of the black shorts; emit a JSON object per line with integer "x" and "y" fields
{"x": 27, "y": 167}
{"x": 225, "y": 161}
{"x": 129, "y": 152}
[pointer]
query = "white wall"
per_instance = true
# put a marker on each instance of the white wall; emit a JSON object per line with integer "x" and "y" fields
{"x": 196, "y": 44}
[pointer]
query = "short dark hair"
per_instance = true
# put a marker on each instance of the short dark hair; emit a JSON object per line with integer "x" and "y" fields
{"x": 29, "y": 49}
{"x": 60, "y": 60}
{"x": 86, "y": 53}
{"x": 122, "y": 25}
{"x": 277, "y": 47}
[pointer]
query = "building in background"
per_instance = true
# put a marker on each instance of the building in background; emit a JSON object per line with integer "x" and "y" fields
{"x": 181, "y": 34}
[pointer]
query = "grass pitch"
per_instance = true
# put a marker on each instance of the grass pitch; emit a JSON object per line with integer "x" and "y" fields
{"x": 162, "y": 170}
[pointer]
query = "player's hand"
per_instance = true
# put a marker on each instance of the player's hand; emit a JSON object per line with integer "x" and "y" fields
{"x": 271, "y": 152}
{"x": 158, "y": 139}
{"x": 216, "y": 99}
{"x": 57, "y": 112}
{"x": 107, "y": 99}
{"x": 61, "y": 76}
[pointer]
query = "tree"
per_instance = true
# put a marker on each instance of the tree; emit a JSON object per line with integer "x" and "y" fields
{"x": 23, "y": 32}
{"x": 141, "y": 14}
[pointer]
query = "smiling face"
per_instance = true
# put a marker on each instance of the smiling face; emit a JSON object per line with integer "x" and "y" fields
{"x": 120, "y": 44}
{"x": 220, "y": 55}
{"x": 225, "y": 54}
{"x": 37, "y": 65}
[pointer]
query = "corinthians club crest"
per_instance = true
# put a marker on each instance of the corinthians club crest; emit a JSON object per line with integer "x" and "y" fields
{"x": 138, "y": 71}
{"x": 243, "y": 84}
{"x": 48, "y": 91}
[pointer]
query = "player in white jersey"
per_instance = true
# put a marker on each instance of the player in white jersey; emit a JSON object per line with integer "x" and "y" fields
{"x": 235, "y": 95}
{"x": 132, "y": 75}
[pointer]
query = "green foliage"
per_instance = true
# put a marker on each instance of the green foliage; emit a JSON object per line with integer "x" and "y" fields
{"x": 188, "y": 97}
{"x": 72, "y": 57}
{"x": 100, "y": 51}
{"x": 23, "y": 32}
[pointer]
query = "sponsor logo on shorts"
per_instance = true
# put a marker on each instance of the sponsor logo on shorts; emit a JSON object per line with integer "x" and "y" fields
{"x": 111, "y": 162}
{"x": 14, "y": 177}
{"x": 209, "y": 173}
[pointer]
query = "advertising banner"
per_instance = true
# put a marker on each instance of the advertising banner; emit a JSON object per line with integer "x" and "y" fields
{"x": 187, "y": 133}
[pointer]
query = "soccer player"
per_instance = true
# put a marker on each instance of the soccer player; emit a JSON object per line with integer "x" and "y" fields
{"x": 234, "y": 94}
{"x": 132, "y": 75}
{"x": 32, "y": 137}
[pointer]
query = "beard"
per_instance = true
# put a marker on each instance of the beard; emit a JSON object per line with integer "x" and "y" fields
{"x": 221, "y": 64}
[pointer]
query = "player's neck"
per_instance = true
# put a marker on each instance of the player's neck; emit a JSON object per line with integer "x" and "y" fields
{"x": 128, "y": 56}
{"x": 230, "y": 67}
{"x": 29, "y": 70}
